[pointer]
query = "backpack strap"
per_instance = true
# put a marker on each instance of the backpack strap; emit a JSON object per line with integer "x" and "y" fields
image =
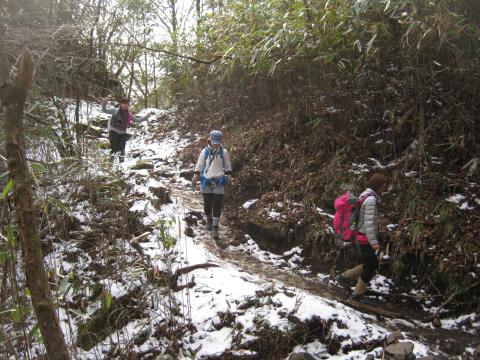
{"x": 362, "y": 199}
{"x": 207, "y": 155}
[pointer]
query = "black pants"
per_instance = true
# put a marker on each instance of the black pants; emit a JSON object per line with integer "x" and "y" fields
{"x": 212, "y": 204}
{"x": 117, "y": 143}
{"x": 369, "y": 260}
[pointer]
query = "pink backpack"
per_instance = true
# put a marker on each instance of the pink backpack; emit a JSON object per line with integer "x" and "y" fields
{"x": 345, "y": 221}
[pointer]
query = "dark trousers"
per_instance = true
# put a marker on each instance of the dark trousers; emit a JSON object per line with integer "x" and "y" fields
{"x": 117, "y": 143}
{"x": 369, "y": 260}
{"x": 212, "y": 204}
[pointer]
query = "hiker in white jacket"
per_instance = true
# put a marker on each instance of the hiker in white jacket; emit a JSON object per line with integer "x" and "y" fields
{"x": 366, "y": 241}
{"x": 213, "y": 169}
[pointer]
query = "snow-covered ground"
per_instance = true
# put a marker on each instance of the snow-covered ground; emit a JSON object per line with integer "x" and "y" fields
{"x": 227, "y": 306}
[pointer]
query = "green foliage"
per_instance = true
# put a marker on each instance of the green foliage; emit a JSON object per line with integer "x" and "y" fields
{"x": 276, "y": 53}
{"x": 446, "y": 218}
{"x": 8, "y": 187}
{"x": 167, "y": 240}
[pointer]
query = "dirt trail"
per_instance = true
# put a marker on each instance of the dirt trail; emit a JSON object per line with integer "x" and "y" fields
{"x": 249, "y": 264}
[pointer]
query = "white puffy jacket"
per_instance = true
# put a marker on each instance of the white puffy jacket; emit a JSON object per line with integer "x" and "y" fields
{"x": 368, "y": 216}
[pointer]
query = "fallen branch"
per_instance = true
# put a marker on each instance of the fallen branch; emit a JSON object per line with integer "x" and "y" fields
{"x": 136, "y": 238}
{"x": 375, "y": 310}
{"x": 171, "y": 280}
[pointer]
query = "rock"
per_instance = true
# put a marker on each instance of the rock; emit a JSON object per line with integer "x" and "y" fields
{"x": 189, "y": 232}
{"x": 301, "y": 356}
{"x": 452, "y": 347}
{"x": 399, "y": 351}
{"x": 394, "y": 337}
{"x": 143, "y": 165}
{"x": 370, "y": 357}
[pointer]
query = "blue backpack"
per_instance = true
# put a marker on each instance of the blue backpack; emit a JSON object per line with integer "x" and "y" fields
{"x": 219, "y": 181}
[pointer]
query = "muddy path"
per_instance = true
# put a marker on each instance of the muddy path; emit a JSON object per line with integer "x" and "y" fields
{"x": 409, "y": 320}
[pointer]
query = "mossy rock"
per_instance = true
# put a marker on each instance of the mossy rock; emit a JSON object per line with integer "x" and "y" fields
{"x": 106, "y": 320}
{"x": 143, "y": 165}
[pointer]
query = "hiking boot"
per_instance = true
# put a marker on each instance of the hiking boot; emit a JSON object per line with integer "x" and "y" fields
{"x": 343, "y": 282}
{"x": 357, "y": 297}
{"x": 208, "y": 226}
{"x": 215, "y": 232}
{"x": 359, "y": 290}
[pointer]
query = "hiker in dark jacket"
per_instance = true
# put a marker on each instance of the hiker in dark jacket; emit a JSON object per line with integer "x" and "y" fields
{"x": 366, "y": 242}
{"x": 118, "y": 124}
{"x": 213, "y": 169}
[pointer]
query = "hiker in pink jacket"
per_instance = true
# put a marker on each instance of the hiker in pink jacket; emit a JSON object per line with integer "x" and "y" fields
{"x": 118, "y": 124}
{"x": 366, "y": 241}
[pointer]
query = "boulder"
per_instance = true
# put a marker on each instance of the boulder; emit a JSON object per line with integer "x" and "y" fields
{"x": 399, "y": 351}
{"x": 394, "y": 337}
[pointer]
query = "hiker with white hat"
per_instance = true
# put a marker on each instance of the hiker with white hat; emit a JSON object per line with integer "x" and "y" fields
{"x": 213, "y": 169}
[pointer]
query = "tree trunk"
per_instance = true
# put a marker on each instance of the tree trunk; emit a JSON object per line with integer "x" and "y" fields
{"x": 155, "y": 86}
{"x": 146, "y": 79}
{"x": 13, "y": 93}
{"x": 77, "y": 122}
{"x": 132, "y": 75}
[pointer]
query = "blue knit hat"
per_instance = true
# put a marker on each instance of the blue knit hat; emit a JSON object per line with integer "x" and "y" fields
{"x": 215, "y": 137}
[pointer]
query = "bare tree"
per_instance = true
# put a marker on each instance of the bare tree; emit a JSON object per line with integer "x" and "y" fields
{"x": 13, "y": 93}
